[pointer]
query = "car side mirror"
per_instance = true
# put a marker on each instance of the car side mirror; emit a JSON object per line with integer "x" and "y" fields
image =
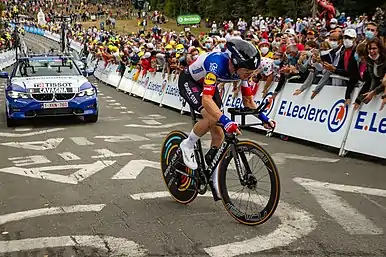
{"x": 4, "y": 75}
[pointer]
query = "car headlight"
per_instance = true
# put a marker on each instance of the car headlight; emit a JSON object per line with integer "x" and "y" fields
{"x": 88, "y": 92}
{"x": 17, "y": 94}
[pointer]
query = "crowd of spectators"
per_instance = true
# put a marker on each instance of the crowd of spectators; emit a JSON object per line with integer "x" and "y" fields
{"x": 347, "y": 52}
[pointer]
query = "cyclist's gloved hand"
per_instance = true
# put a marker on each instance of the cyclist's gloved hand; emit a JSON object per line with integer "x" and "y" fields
{"x": 268, "y": 123}
{"x": 229, "y": 125}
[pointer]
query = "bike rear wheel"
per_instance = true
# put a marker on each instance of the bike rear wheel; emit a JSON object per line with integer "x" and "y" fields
{"x": 256, "y": 212}
{"x": 181, "y": 188}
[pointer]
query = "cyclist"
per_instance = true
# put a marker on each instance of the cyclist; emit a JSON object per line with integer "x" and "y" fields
{"x": 197, "y": 85}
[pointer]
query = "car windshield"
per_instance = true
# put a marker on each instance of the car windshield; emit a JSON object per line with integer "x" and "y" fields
{"x": 36, "y": 67}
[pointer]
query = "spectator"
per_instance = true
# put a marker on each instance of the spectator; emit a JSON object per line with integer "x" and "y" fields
{"x": 376, "y": 68}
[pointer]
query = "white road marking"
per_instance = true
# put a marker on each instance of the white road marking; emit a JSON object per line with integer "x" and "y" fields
{"x": 110, "y": 101}
{"x": 156, "y": 148}
{"x": 22, "y": 129}
{"x": 123, "y": 108}
{"x": 29, "y": 160}
{"x": 108, "y": 97}
{"x": 280, "y": 158}
{"x": 132, "y": 169}
{"x": 157, "y": 134}
{"x": 122, "y": 138}
{"x": 151, "y": 122}
{"x": 340, "y": 187}
{"x": 158, "y": 126}
{"x": 295, "y": 223}
{"x": 106, "y": 153}
{"x": 49, "y": 144}
{"x": 347, "y": 216}
{"x": 22, "y": 215}
{"x": 152, "y": 117}
{"x": 101, "y": 94}
{"x": 84, "y": 171}
{"x": 68, "y": 156}
{"x": 127, "y": 112}
{"x": 114, "y": 104}
{"x": 117, "y": 246}
{"x": 29, "y": 134}
{"x": 81, "y": 141}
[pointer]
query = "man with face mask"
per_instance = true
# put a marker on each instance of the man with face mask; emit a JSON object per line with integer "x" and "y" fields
{"x": 371, "y": 31}
{"x": 347, "y": 58}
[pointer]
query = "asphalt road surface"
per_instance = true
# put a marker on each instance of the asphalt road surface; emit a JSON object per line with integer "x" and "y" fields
{"x": 73, "y": 189}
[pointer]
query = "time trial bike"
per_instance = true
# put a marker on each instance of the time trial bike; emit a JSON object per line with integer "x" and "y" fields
{"x": 234, "y": 169}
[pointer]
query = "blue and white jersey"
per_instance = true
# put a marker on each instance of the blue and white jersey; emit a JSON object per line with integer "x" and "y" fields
{"x": 215, "y": 63}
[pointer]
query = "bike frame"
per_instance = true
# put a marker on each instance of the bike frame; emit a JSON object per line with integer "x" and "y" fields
{"x": 229, "y": 140}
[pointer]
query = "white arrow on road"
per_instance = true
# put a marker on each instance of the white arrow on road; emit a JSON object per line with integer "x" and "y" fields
{"x": 280, "y": 158}
{"x": 295, "y": 223}
{"x": 116, "y": 246}
{"x": 122, "y": 138}
{"x": 48, "y": 144}
{"x": 134, "y": 168}
{"x": 85, "y": 171}
{"x": 29, "y": 134}
{"x": 22, "y": 215}
{"x": 171, "y": 125}
{"x": 347, "y": 216}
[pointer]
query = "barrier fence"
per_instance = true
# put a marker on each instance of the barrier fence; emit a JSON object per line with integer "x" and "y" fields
{"x": 325, "y": 119}
{"x": 7, "y": 58}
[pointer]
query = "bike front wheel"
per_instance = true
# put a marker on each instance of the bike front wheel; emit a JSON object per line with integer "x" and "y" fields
{"x": 182, "y": 188}
{"x": 259, "y": 195}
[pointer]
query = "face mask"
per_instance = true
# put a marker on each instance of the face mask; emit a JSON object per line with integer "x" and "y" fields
{"x": 356, "y": 57}
{"x": 374, "y": 58}
{"x": 289, "y": 57}
{"x": 334, "y": 44}
{"x": 309, "y": 53}
{"x": 369, "y": 34}
{"x": 208, "y": 45}
{"x": 222, "y": 45}
{"x": 194, "y": 57}
{"x": 326, "y": 52}
{"x": 348, "y": 43}
{"x": 264, "y": 50}
{"x": 277, "y": 62}
{"x": 182, "y": 41}
{"x": 333, "y": 26}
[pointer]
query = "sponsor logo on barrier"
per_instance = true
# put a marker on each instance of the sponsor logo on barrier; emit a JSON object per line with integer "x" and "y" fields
{"x": 155, "y": 87}
{"x": 238, "y": 103}
{"x": 172, "y": 90}
{"x": 334, "y": 117}
{"x": 369, "y": 122}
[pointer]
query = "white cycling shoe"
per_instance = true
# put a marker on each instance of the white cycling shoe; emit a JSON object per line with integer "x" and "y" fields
{"x": 188, "y": 156}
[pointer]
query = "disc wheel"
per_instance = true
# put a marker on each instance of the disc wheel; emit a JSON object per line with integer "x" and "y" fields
{"x": 181, "y": 188}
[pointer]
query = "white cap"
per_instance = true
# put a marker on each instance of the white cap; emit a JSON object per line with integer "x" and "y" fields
{"x": 333, "y": 20}
{"x": 290, "y": 31}
{"x": 150, "y": 45}
{"x": 350, "y": 32}
{"x": 146, "y": 55}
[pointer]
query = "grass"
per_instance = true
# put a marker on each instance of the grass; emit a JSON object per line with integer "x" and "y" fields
{"x": 128, "y": 26}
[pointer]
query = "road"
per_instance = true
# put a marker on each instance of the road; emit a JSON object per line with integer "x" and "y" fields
{"x": 60, "y": 194}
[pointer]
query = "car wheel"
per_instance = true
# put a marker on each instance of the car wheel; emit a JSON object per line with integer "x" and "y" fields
{"x": 91, "y": 118}
{"x": 11, "y": 122}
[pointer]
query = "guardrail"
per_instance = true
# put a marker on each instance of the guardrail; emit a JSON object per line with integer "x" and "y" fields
{"x": 325, "y": 119}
